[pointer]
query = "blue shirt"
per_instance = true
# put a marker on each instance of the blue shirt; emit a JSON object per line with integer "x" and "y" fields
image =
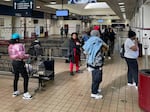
{"x": 91, "y": 47}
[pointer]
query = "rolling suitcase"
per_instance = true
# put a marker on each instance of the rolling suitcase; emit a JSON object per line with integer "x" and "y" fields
{"x": 49, "y": 67}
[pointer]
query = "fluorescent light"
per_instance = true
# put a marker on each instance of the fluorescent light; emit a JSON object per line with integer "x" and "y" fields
{"x": 38, "y": 7}
{"x": 7, "y": 0}
{"x": 124, "y": 15}
{"x": 122, "y": 9}
{"x": 53, "y": 2}
{"x": 122, "y": 6}
{"x": 96, "y": 5}
{"x": 121, "y": 3}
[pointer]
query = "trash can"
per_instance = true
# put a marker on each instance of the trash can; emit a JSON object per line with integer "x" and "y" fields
{"x": 144, "y": 89}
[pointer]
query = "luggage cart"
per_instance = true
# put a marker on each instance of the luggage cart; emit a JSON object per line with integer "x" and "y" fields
{"x": 5, "y": 65}
{"x": 41, "y": 69}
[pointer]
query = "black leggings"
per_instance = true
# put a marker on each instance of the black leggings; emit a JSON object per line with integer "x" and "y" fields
{"x": 19, "y": 68}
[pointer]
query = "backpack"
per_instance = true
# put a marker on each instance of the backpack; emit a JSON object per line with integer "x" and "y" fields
{"x": 35, "y": 50}
{"x": 122, "y": 51}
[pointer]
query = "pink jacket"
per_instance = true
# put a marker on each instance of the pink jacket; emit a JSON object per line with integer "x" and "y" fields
{"x": 17, "y": 51}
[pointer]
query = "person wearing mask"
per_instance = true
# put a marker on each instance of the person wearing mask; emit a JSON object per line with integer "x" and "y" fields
{"x": 94, "y": 48}
{"x": 17, "y": 54}
{"x": 74, "y": 52}
{"x": 131, "y": 55}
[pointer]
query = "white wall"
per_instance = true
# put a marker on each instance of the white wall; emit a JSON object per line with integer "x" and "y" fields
{"x": 140, "y": 22}
{"x": 54, "y": 26}
{"x": 6, "y": 30}
{"x": 18, "y": 25}
{"x": 72, "y": 25}
{"x": 106, "y": 22}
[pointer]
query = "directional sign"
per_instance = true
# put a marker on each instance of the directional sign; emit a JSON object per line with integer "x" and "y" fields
{"x": 23, "y": 7}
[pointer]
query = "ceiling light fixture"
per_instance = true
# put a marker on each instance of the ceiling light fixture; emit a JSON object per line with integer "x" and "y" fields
{"x": 122, "y": 6}
{"x": 124, "y": 15}
{"x": 7, "y": 0}
{"x": 121, "y": 3}
{"x": 99, "y": 5}
{"x": 38, "y": 7}
{"x": 53, "y": 2}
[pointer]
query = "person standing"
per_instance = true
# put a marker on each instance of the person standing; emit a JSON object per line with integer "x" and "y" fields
{"x": 111, "y": 38}
{"x": 74, "y": 52}
{"x": 94, "y": 48}
{"x": 131, "y": 55}
{"x": 66, "y": 31}
{"x": 17, "y": 54}
{"x": 84, "y": 37}
{"x": 62, "y": 32}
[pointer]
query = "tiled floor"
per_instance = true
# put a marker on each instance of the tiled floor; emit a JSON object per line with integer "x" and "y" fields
{"x": 72, "y": 93}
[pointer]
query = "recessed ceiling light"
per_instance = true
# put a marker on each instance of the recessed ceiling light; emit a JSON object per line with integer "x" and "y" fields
{"x": 122, "y": 6}
{"x": 121, "y": 3}
{"x": 38, "y": 7}
{"x": 53, "y": 2}
{"x": 96, "y": 5}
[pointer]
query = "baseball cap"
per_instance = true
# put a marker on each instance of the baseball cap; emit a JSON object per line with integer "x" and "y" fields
{"x": 15, "y": 36}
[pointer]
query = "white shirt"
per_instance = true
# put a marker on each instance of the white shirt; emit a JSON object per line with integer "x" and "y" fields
{"x": 129, "y": 53}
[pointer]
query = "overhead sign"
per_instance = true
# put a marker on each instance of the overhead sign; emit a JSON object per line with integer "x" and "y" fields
{"x": 81, "y": 1}
{"x": 23, "y": 7}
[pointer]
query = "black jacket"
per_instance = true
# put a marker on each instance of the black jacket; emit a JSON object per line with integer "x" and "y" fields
{"x": 72, "y": 46}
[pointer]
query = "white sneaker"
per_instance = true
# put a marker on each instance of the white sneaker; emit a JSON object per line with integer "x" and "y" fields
{"x": 136, "y": 87}
{"x": 27, "y": 96}
{"x": 130, "y": 84}
{"x": 96, "y": 96}
{"x": 134, "y": 84}
{"x": 15, "y": 93}
{"x": 109, "y": 57}
{"x": 99, "y": 90}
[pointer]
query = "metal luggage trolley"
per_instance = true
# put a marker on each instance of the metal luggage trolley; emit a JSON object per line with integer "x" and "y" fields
{"x": 42, "y": 69}
{"x": 5, "y": 65}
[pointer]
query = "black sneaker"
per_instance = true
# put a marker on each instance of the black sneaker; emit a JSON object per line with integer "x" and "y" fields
{"x": 79, "y": 71}
{"x": 71, "y": 73}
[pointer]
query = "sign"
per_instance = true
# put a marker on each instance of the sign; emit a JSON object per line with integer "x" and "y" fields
{"x": 81, "y": 1}
{"x": 23, "y": 7}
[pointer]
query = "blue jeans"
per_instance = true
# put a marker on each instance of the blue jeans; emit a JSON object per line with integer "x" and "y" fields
{"x": 96, "y": 80}
{"x": 132, "y": 74}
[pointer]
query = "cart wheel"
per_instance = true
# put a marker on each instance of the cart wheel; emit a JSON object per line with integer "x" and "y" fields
{"x": 52, "y": 78}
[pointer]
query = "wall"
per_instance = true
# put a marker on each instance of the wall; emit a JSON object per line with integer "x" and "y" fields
{"x": 72, "y": 25}
{"x": 106, "y": 22}
{"x": 140, "y": 24}
{"x": 55, "y": 26}
{"x": 146, "y": 31}
{"x": 6, "y": 30}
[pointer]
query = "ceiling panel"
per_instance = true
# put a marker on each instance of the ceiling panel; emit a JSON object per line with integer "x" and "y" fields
{"x": 130, "y": 6}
